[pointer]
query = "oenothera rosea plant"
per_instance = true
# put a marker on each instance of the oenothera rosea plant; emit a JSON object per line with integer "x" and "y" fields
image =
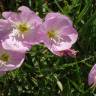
{"x": 22, "y": 29}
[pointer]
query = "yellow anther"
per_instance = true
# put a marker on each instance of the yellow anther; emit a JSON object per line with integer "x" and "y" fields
{"x": 23, "y": 27}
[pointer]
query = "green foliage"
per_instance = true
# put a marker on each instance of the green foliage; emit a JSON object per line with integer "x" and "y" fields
{"x": 44, "y": 74}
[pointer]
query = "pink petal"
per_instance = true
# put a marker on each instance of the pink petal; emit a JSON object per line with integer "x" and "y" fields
{"x": 53, "y": 15}
{"x": 32, "y": 37}
{"x": 15, "y": 45}
{"x": 68, "y": 52}
{"x": 7, "y": 14}
{"x": 4, "y": 28}
{"x": 69, "y": 32}
{"x": 28, "y": 15}
{"x": 24, "y": 9}
{"x": 92, "y": 76}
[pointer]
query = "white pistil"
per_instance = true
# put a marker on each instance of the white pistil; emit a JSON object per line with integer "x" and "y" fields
{"x": 2, "y": 63}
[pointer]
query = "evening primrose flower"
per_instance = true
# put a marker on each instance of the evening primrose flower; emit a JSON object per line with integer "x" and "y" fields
{"x": 92, "y": 77}
{"x": 23, "y": 25}
{"x": 10, "y": 60}
{"x": 58, "y": 32}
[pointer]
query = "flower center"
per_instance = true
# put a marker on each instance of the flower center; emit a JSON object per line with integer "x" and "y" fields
{"x": 4, "y": 57}
{"x": 55, "y": 37}
{"x": 23, "y": 27}
{"x": 52, "y": 34}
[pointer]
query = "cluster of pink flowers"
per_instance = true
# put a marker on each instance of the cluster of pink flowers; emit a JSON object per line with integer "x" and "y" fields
{"x": 20, "y": 30}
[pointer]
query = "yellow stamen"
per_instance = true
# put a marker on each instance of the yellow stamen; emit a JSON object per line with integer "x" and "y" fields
{"x": 4, "y": 57}
{"x": 23, "y": 27}
{"x": 51, "y": 34}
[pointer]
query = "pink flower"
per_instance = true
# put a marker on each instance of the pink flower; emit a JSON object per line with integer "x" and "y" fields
{"x": 92, "y": 77}
{"x": 10, "y": 60}
{"x": 22, "y": 25}
{"x": 58, "y": 33}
